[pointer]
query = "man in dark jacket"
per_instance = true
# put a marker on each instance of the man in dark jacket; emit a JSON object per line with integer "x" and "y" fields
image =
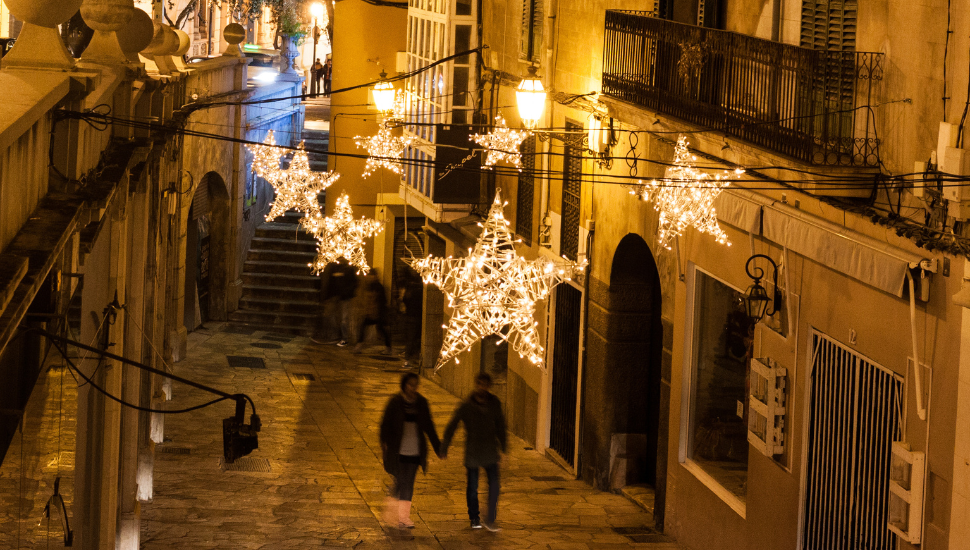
{"x": 485, "y": 438}
{"x": 406, "y": 425}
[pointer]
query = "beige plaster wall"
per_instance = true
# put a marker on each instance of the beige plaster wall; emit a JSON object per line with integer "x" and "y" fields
{"x": 362, "y": 32}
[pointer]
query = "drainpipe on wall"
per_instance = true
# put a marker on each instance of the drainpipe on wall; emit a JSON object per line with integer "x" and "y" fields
{"x": 583, "y": 355}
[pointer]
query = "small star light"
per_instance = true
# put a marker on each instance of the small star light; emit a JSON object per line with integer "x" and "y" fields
{"x": 493, "y": 290}
{"x": 685, "y": 197}
{"x": 384, "y": 150}
{"x": 266, "y": 157}
{"x": 502, "y": 144}
{"x": 340, "y": 235}
{"x": 297, "y": 187}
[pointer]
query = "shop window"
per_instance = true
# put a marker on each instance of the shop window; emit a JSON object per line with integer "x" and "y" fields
{"x": 717, "y": 372}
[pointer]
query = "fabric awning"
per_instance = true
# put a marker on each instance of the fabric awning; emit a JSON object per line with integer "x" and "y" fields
{"x": 861, "y": 257}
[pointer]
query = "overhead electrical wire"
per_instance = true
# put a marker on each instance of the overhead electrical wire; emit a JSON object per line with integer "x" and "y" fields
{"x": 862, "y": 181}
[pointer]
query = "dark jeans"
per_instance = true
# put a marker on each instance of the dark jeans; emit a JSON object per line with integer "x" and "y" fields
{"x": 382, "y": 329}
{"x": 404, "y": 480}
{"x": 412, "y": 331}
{"x": 471, "y": 492}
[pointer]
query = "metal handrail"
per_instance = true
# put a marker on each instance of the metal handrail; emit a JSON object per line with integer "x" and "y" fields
{"x": 803, "y": 103}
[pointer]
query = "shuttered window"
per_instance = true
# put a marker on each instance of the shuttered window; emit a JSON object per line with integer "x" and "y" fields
{"x": 829, "y": 24}
{"x": 526, "y": 191}
{"x": 531, "y": 43}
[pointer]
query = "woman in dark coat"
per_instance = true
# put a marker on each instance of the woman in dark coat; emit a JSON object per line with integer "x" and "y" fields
{"x": 406, "y": 422}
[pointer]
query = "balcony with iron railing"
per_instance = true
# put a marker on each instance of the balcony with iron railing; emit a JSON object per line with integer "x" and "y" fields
{"x": 810, "y": 105}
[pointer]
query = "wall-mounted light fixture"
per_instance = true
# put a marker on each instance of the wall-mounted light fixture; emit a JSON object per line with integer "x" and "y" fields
{"x": 756, "y": 298}
{"x": 600, "y": 139}
{"x": 383, "y": 93}
{"x": 531, "y": 99}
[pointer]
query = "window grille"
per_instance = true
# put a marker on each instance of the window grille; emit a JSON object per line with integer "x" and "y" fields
{"x": 571, "y": 189}
{"x": 853, "y": 421}
{"x": 526, "y": 191}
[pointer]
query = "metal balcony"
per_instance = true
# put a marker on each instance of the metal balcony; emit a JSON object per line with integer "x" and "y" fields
{"x": 811, "y": 105}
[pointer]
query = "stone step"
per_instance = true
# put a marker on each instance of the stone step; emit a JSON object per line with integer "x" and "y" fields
{"x": 282, "y": 280}
{"x": 287, "y": 231}
{"x": 284, "y": 293}
{"x": 265, "y": 243}
{"x": 277, "y": 320}
{"x": 283, "y": 268}
{"x": 302, "y": 256}
{"x": 298, "y": 330}
{"x": 280, "y": 305}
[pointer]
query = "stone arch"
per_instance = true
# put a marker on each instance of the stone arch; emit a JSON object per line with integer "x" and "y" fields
{"x": 625, "y": 375}
{"x": 208, "y": 243}
{"x": 636, "y": 302}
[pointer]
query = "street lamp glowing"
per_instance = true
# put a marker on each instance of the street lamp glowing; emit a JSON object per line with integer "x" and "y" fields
{"x": 316, "y": 10}
{"x": 531, "y": 98}
{"x": 384, "y": 94}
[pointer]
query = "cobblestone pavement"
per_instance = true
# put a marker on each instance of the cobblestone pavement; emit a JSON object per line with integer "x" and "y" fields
{"x": 325, "y": 486}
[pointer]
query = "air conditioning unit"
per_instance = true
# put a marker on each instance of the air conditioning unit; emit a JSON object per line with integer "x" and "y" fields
{"x": 766, "y": 407}
{"x": 906, "y": 478}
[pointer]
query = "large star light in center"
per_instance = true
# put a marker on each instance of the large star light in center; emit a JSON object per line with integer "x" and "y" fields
{"x": 340, "y": 235}
{"x": 494, "y": 290}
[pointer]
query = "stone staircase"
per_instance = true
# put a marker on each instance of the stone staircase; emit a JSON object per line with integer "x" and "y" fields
{"x": 279, "y": 292}
{"x": 316, "y": 140}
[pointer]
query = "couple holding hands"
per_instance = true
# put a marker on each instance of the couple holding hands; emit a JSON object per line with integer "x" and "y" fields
{"x": 406, "y": 428}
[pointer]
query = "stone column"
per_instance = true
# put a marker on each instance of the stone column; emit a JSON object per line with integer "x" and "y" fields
{"x": 39, "y": 45}
{"x": 106, "y": 17}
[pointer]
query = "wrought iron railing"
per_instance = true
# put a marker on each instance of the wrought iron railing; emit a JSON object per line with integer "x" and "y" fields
{"x": 808, "y": 104}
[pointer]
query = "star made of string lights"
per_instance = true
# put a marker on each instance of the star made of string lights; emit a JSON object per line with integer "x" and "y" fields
{"x": 297, "y": 187}
{"x": 685, "y": 197}
{"x": 384, "y": 150}
{"x": 493, "y": 290}
{"x": 340, "y": 235}
{"x": 266, "y": 156}
{"x": 502, "y": 144}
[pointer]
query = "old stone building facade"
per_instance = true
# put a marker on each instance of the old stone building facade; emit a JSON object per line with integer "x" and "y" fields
{"x": 128, "y": 207}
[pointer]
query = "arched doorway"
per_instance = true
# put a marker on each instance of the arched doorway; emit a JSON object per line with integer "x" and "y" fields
{"x": 625, "y": 376}
{"x": 207, "y": 249}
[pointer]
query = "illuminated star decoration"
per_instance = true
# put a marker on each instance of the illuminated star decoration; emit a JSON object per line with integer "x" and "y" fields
{"x": 266, "y": 157}
{"x": 502, "y": 144}
{"x": 493, "y": 290}
{"x": 685, "y": 197}
{"x": 297, "y": 186}
{"x": 384, "y": 150}
{"x": 340, "y": 235}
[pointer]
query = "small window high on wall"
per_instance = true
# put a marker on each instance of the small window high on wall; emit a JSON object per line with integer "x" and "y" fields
{"x": 714, "y": 437}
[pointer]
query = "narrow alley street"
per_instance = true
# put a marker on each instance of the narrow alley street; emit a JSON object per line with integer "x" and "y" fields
{"x": 316, "y": 479}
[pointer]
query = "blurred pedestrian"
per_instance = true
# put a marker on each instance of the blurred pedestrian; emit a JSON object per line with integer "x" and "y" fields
{"x": 339, "y": 285}
{"x": 405, "y": 429}
{"x": 316, "y": 74}
{"x": 412, "y": 298}
{"x": 485, "y": 439}
{"x": 372, "y": 303}
{"x": 327, "y": 75}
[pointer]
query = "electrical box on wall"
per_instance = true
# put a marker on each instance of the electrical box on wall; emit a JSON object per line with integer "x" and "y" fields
{"x": 955, "y": 162}
{"x": 906, "y": 478}
{"x": 766, "y": 407}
